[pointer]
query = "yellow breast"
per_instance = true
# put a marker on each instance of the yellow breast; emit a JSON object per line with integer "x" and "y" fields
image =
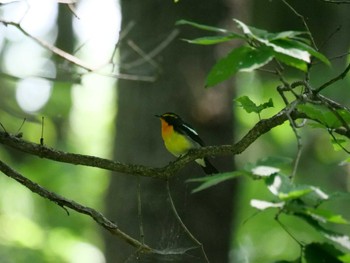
{"x": 175, "y": 143}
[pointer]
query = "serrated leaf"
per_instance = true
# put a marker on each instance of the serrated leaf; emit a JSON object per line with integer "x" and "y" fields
{"x": 295, "y": 193}
{"x": 281, "y": 186}
{"x": 201, "y": 26}
{"x": 317, "y": 252}
{"x": 262, "y": 204}
{"x": 210, "y": 181}
{"x": 338, "y": 144}
{"x": 325, "y": 216}
{"x": 249, "y": 106}
{"x": 244, "y": 58}
{"x": 324, "y": 115}
{"x": 278, "y": 183}
{"x": 340, "y": 239}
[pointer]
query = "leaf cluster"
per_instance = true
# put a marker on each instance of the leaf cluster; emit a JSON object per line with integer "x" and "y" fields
{"x": 260, "y": 47}
{"x": 300, "y": 201}
{"x": 295, "y": 49}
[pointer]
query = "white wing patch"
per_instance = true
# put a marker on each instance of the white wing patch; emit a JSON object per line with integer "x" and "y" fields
{"x": 192, "y": 130}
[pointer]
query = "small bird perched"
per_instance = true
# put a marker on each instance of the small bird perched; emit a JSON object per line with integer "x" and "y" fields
{"x": 179, "y": 138}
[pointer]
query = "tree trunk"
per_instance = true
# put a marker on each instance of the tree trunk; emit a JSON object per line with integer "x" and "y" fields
{"x": 180, "y": 89}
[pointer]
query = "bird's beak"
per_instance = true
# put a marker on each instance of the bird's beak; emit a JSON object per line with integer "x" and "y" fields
{"x": 158, "y": 116}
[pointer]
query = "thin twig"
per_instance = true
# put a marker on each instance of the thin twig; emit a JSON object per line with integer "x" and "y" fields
{"x": 330, "y": 82}
{"x": 194, "y": 239}
{"x": 75, "y": 60}
{"x": 336, "y": 2}
{"x": 139, "y": 210}
{"x": 337, "y": 142}
{"x": 288, "y": 232}
{"x": 155, "y": 51}
{"x": 142, "y": 54}
{"x": 63, "y": 202}
{"x": 303, "y": 21}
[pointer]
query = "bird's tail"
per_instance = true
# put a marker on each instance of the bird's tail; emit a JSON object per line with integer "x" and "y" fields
{"x": 209, "y": 168}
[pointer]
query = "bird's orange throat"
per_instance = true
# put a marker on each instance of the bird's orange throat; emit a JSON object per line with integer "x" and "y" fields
{"x": 166, "y": 129}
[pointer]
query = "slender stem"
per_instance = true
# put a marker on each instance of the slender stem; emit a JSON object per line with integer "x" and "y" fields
{"x": 139, "y": 210}
{"x": 182, "y": 223}
{"x": 330, "y": 82}
{"x": 63, "y": 202}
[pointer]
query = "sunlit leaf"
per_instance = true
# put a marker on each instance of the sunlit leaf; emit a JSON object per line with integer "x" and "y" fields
{"x": 244, "y": 58}
{"x": 293, "y": 44}
{"x": 340, "y": 239}
{"x": 265, "y": 170}
{"x": 249, "y": 106}
{"x": 325, "y": 216}
{"x": 295, "y": 193}
{"x": 262, "y": 204}
{"x": 279, "y": 183}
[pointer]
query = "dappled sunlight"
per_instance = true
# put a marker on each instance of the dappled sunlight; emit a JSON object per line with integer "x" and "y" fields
{"x": 33, "y": 93}
{"x": 77, "y": 117}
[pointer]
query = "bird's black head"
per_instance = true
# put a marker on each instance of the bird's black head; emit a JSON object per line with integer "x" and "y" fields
{"x": 171, "y": 118}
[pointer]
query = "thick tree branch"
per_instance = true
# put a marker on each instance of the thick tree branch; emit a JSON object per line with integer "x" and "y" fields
{"x": 77, "y": 159}
{"x": 170, "y": 170}
{"x": 167, "y": 171}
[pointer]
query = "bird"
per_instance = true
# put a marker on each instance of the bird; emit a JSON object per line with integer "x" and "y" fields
{"x": 179, "y": 137}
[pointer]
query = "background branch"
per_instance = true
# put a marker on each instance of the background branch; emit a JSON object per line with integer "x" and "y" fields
{"x": 63, "y": 202}
{"x": 73, "y": 59}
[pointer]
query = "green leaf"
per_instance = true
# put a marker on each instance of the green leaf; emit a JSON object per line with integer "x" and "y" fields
{"x": 287, "y": 48}
{"x": 317, "y": 252}
{"x": 295, "y": 193}
{"x": 252, "y": 32}
{"x": 324, "y": 115}
{"x": 201, "y": 26}
{"x": 325, "y": 216}
{"x": 240, "y": 59}
{"x": 292, "y": 62}
{"x": 249, "y": 106}
{"x": 260, "y": 34}
{"x": 211, "y": 40}
{"x": 282, "y": 187}
{"x": 210, "y": 181}
{"x": 301, "y": 46}
{"x": 340, "y": 239}
{"x": 279, "y": 183}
